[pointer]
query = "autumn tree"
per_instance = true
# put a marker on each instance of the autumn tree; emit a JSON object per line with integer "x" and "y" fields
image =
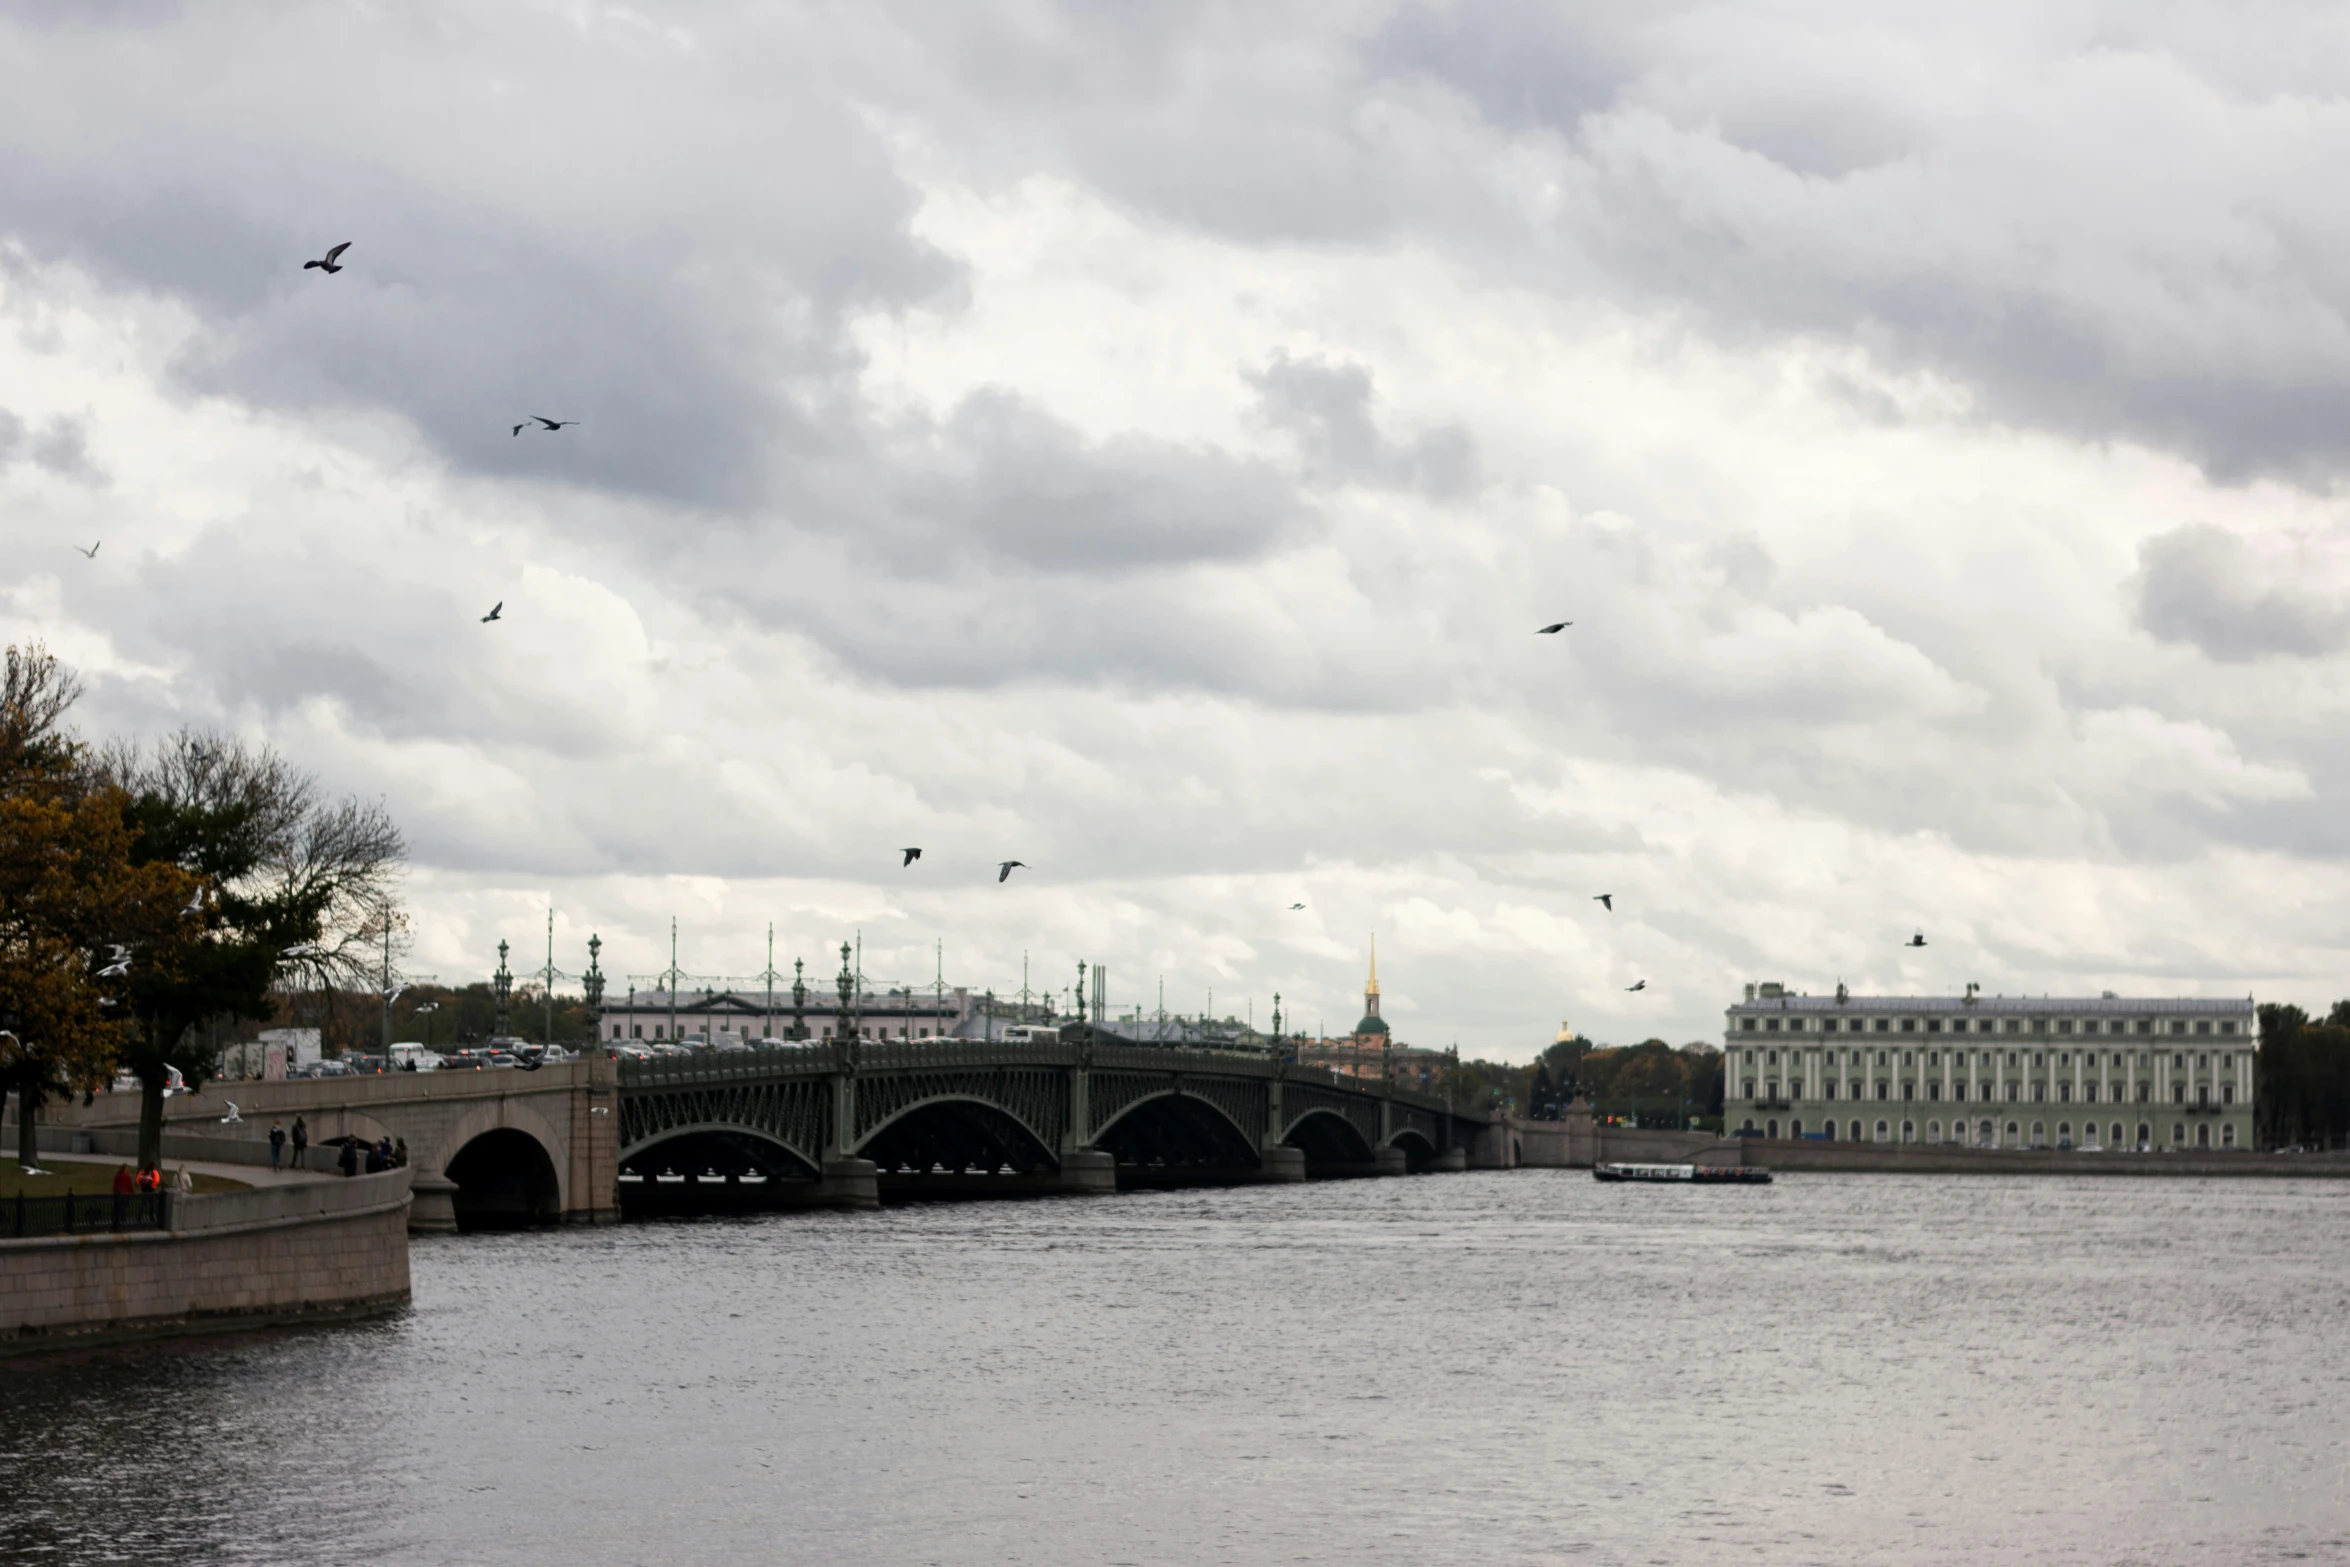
{"x": 69, "y": 891}
{"x": 288, "y": 885}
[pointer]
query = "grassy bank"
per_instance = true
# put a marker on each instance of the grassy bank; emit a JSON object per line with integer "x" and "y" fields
{"x": 62, "y": 1176}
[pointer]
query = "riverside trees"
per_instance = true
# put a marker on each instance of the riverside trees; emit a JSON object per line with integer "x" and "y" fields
{"x": 69, "y": 892}
{"x": 289, "y": 887}
{"x": 145, "y": 892}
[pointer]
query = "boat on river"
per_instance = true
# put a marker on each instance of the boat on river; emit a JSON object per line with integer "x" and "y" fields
{"x": 1689, "y": 1174}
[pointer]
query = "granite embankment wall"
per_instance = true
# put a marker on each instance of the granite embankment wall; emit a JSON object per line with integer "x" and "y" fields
{"x": 1926, "y": 1159}
{"x": 299, "y": 1252}
{"x": 1578, "y": 1143}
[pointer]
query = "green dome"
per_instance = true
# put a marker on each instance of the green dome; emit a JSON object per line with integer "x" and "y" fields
{"x": 1371, "y": 1024}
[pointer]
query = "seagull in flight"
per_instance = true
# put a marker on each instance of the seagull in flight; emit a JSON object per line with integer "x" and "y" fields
{"x": 1638, "y": 984}
{"x": 1606, "y": 900}
{"x": 1554, "y": 629}
{"x": 552, "y": 424}
{"x": 1003, "y": 872}
{"x": 1293, "y": 908}
{"x": 911, "y": 856}
{"x": 1917, "y": 940}
{"x": 92, "y": 551}
{"x": 495, "y": 611}
{"x": 196, "y": 903}
{"x": 332, "y": 262}
{"x": 119, "y": 964}
{"x": 232, "y": 1118}
{"x": 395, "y": 994}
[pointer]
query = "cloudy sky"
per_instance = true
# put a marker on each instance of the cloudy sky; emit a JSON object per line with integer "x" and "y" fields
{"x": 1142, "y": 440}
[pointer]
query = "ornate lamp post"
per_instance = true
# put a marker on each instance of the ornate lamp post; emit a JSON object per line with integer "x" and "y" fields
{"x": 502, "y": 986}
{"x": 799, "y": 999}
{"x": 591, "y": 985}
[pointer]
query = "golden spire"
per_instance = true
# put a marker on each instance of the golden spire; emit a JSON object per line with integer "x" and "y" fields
{"x": 1372, "y": 988}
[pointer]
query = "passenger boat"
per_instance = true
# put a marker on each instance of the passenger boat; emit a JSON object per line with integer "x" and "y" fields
{"x": 1694, "y": 1174}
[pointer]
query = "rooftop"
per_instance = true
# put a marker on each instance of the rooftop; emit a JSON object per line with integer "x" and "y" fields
{"x": 1999, "y": 1006}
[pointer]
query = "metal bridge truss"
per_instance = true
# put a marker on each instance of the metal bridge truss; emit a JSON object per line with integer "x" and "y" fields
{"x": 951, "y": 1104}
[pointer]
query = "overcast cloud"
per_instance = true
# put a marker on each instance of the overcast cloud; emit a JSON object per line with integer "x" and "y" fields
{"x": 1142, "y": 441}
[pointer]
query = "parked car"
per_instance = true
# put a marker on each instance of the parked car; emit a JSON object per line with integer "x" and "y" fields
{"x": 335, "y": 1068}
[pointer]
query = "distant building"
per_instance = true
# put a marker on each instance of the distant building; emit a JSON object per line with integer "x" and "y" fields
{"x": 728, "y": 1017}
{"x": 1372, "y": 1049}
{"x": 1992, "y": 1071}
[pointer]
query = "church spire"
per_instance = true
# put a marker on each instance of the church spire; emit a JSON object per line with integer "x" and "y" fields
{"x": 1371, "y": 985}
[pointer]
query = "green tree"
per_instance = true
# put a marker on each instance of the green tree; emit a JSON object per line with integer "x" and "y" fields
{"x": 2303, "y": 1079}
{"x": 67, "y": 885}
{"x": 288, "y": 886}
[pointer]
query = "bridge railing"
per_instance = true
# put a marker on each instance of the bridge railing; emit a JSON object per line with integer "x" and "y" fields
{"x": 88, "y": 1213}
{"x": 821, "y": 1059}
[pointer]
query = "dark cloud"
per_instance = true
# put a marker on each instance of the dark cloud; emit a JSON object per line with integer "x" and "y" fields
{"x": 2205, "y": 586}
{"x": 1327, "y": 409}
{"x": 585, "y": 221}
{"x": 60, "y": 446}
{"x": 1012, "y": 483}
{"x": 63, "y": 448}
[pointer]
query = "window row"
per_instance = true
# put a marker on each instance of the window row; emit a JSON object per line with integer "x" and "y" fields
{"x": 1990, "y": 1134}
{"x": 1988, "y": 1060}
{"x": 2012, "y": 1093}
{"x": 1981, "y": 1025}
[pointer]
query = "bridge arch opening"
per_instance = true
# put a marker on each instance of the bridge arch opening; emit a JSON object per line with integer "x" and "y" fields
{"x": 727, "y": 1151}
{"x": 505, "y": 1181}
{"x": 1176, "y": 1137}
{"x": 957, "y": 1136}
{"x": 1419, "y": 1151}
{"x": 1329, "y": 1139}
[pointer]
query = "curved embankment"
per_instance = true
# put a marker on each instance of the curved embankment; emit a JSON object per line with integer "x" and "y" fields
{"x": 303, "y": 1251}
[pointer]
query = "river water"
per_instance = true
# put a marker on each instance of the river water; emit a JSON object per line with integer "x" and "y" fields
{"x": 1500, "y": 1368}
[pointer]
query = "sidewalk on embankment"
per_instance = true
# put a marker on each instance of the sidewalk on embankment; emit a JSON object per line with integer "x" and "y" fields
{"x": 250, "y": 1174}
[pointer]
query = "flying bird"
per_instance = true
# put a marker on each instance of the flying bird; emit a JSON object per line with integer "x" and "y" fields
{"x": 1606, "y": 900}
{"x": 1917, "y": 940}
{"x": 232, "y": 1118}
{"x": 552, "y": 424}
{"x": 120, "y": 967}
{"x": 92, "y": 551}
{"x": 1003, "y": 872}
{"x": 911, "y": 856}
{"x": 1638, "y": 984}
{"x": 394, "y": 994}
{"x": 1293, "y": 908}
{"x": 196, "y": 903}
{"x": 331, "y": 263}
{"x": 524, "y": 425}
{"x": 1554, "y": 629}
{"x": 495, "y": 611}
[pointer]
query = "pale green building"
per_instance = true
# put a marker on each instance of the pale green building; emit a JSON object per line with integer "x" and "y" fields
{"x": 2100, "y": 1072}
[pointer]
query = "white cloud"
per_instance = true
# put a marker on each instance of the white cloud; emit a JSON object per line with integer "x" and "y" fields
{"x": 1155, "y": 472}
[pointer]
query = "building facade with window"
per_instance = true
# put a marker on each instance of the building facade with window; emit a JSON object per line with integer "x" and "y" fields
{"x": 2098, "y": 1072}
{"x": 727, "y": 1018}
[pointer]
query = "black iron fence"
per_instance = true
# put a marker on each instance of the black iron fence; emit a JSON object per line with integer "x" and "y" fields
{"x": 89, "y": 1214}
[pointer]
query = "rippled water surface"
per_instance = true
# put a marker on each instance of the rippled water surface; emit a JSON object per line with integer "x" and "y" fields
{"x": 1516, "y": 1367}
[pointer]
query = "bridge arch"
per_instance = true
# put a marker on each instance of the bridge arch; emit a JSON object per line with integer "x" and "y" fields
{"x": 724, "y": 1145}
{"x": 508, "y": 1163}
{"x": 505, "y": 1180}
{"x": 1419, "y": 1149}
{"x": 956, "y": 1132}
{"x": 1172, "y": 1130}
{"x": 1326, "y": 1137}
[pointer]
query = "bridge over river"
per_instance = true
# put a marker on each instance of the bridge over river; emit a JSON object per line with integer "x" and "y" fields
{"x": 825, "y": 1124}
